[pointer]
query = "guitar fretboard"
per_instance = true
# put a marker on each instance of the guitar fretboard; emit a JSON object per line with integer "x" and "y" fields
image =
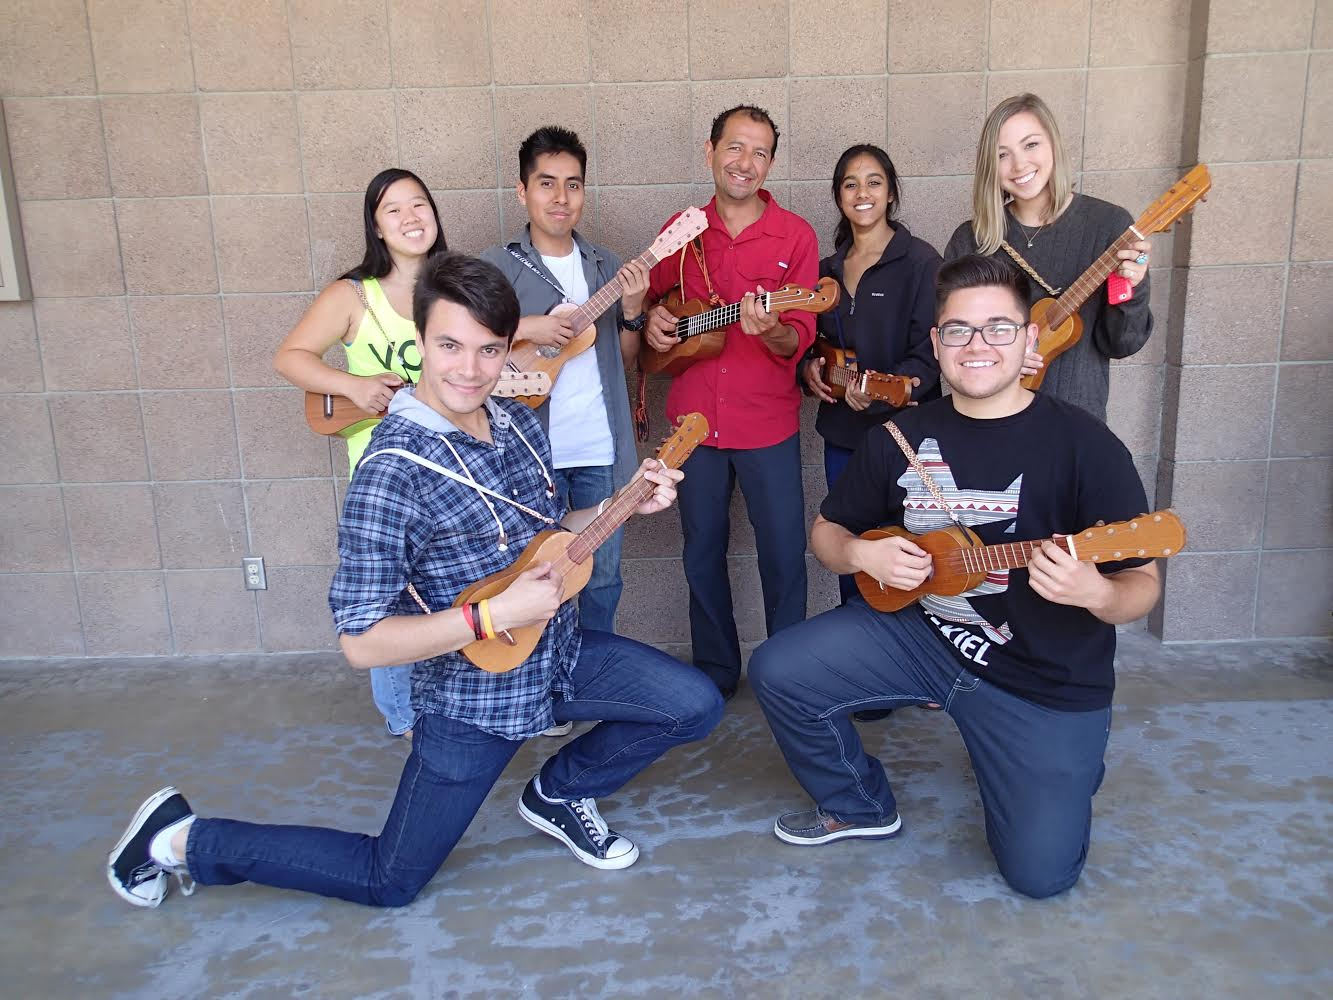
{"x": 605, "y": 297}
{"x": 994, "y": 558}
{"x": 716, "y": 319}
{"x": 839, "y": 375}
{"x": 1090, "y": 280}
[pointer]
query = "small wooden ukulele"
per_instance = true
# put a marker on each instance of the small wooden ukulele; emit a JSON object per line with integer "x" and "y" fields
{"x": 530, "y": 357}
{"x": 330, "y": 414}
{"x": 570, "y": 554}
{"x": 840, "y": 371}
{"x": 700, "y": 332}
{"x": 1058, "y": 322}
{"x": 960, "y": 562}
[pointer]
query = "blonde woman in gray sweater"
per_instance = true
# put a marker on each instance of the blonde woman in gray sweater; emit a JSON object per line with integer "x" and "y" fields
{"x": 1024, "y": 204}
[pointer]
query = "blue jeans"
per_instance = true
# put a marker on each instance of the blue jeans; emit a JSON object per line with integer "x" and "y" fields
{"x": 587, "y": 487}
{"x": 391, "y": 687}
{"x": 770, "y": 479}
{"x": 649, "y": 703}
{"x": 1037, "y": 768}
{"x": 835, "y": 462}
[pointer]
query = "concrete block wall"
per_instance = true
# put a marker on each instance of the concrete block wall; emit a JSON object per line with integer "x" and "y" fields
{"x": 189, "y": 174}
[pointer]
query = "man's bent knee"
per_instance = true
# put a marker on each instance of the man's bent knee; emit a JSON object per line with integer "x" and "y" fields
{"x": 1039, "y": 881}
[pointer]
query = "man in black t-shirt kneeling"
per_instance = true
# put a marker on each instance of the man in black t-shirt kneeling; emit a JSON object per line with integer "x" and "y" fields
{"x": 1024, "y": 662}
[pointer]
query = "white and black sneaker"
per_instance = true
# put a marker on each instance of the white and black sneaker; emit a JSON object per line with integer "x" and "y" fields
{"x": 133, "y": 873}
{"x": 578, "y": 825}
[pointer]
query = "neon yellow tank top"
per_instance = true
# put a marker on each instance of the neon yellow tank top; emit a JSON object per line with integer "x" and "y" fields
{"x": 371, "y": 353}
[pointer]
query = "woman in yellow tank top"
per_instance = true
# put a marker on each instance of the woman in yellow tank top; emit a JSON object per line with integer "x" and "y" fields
{"x": 369, "y": 311}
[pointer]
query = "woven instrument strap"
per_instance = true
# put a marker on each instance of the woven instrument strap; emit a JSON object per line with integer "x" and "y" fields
{"x": 1031, "y": 271}
{"x": 365, "y": 302}
{"x": 920, "y": 469}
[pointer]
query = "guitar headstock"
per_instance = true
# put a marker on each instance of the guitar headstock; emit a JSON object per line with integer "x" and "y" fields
{"x": 1148, "y": 536}
{"x": 896, "y": 390}
{"x": 686, "y": 226}
{"x": 513, "y": 384}
{"x": 691, "y": 431}
{"x": 1182, "y": 196}
{"x": 820, "y": 299}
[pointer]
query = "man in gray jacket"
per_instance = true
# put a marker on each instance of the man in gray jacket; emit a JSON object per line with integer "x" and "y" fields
{"x": 587, "y": 415}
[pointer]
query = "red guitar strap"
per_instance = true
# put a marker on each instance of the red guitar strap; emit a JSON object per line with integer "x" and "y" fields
{"x": 697, "y": 245}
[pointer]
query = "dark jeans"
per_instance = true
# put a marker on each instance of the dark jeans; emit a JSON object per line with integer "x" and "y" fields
{"x": 770, "y": 479}
{"x": 649, "y": 702}
{"x": 835, "y": 462}
{"x": 1037, "y": 769}
{"x": 587, "y": 487}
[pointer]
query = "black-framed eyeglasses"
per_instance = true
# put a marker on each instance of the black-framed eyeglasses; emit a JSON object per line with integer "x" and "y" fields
{"x": 995, "y": 334}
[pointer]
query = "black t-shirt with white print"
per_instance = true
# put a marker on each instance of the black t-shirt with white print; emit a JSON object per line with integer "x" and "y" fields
{"x": 1049, "y": 468}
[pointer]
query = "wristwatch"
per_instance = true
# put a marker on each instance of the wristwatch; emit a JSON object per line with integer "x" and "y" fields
{"x": 634, "y": 325}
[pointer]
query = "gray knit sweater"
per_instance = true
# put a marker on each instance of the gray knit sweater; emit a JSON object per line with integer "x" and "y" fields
{"x": 1060, "y": 253}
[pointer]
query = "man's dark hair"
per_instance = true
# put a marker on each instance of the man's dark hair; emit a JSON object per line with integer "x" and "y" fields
{"x": 475, "y": 285}
{"x": 550, "y": 139}
{"x": 750, "y": 111}
{"x": 976, "y": 271}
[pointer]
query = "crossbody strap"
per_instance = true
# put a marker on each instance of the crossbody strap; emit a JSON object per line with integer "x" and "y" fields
{"x": 920, "y": 470}
{"x": 365, "y": 302}
{"x": 1031, "y": 271}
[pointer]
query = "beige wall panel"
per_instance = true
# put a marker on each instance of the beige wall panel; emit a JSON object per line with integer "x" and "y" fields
{"x": 1139, "y": 32}
{"x": 72, "y": 248}
{"x": 294, "y": 611}
{"x": 140, "y": 46}
{"x": 471, "y": 219}
{"x": 1135, "y": 118}
{"x": 22, "y": 370}
{"x": 1307, "y": 332}
{"x": 838, "y": 37}
{"x": 1247, "y": 219}
{"x": 255, "y": 326}
{"x": 346, "y": 138}
{"x": 1317, "y": 130}
{"x": 191, "y": 435}
{"x": 39, "y": 616}
{"x": 342, "y": 46}
{"x": 1062, "y": 39}
{"x": 1209, "y": 405}
{"x": 1220, "y": 502}
{"x": 933, "y": 207}
{"x": 337, "y": 235}
{"x": 154, "y": 146}
{"x": 1252, "y": 107}
{"x": 1233, "y": 315}
{"x": 112, "y": 527}
{"x": 99, "y": 437}
{"x": 1209, "y": 596}
{"x": 539, "y": 41}
{"x": 643, "y": 133}
{"x": 1304, "y": 419}
{"x": 1258, "y": 25}
{"x": 445, "y": 137}
{"x": 56, "y": 148}
{"x": 274, "y": 438}
{"x": 1313, "y": 238}
{"x": 167, "y": 247}
{"x": 1323, "y": 25}
{"x": 252, "y": 143}
{"x": 201, "y": 525}
{"x": 638, "y": 39}
{"x": 934, "y": 122}
{"x": 179, "y": 342}
{"x": 430, "y": 50}
{"x": 34, "y": 536}
{"x": 27, "y": 450}
{"x": 124, "y": 613}
{"x": 1299, "y": 512}
{"x": 735, "y": 41}
{"x": 241, "y": 44}
{"x": 1293, "y": 593}
{"x": 210, "y": 613}
{"x": 293, "y": 522}
{"x": 1134, "y": 409}
{"x": 944, "y": 37}
{"x": 44, "y": 48}
{"x": 85, "y": 343}
{"x": 263, "y": 243}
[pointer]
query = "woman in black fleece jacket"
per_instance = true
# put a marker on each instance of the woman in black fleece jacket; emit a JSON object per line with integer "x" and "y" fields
{"x": 886, "y": 310}
{"x": 1023, "y": 195}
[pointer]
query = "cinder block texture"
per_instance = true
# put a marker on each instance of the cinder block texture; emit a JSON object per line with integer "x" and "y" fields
{"x": 211, "y": 612}
{"x": 179, "y": 342}
{"x": 27, "y": 451}
{"x": 140, "y": 46}
{"x": 1256, "y": 25}
{"x": 85, "y": 343}
{"x": 1241, "y": 91}
{"x": 731, "y": 41}
{"x": 339, "y": 47}
{"x": 433, "y": 51}
{"x": 153, "y": 145}
{"x": 56, "y": 148}
{"x": 838, "y": 38}
{"x": 1139, "y": 32}
{"x": 346, "y": 138}
{"x": 72, "y": 248}
{"x": 41, "y": 615}
{"x": 252, "y": 143}
{"x": 1307, "y": 330}
{"x": 112, "y": 527}
{"x": 44, "y": 49}
{"x": 18, "y": 343}
{"x": 936, "y": 38}
{"x": 34, "y": 534}
{"x": 1062, "y": 40}
{"x": 1292, "y": 598}
{"x": 241, "y": 44}
{"x": 167, "y": 252}
{"x": 124, "y": 613}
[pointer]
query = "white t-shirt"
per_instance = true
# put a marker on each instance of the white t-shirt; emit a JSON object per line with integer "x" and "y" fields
{"x": 579, "y": 429}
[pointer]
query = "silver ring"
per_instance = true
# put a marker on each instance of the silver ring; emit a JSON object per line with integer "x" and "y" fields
{"x": 1141, "y": 259}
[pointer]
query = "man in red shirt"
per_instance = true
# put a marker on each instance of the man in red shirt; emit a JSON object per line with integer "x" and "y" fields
{"x": 748, "y": 392}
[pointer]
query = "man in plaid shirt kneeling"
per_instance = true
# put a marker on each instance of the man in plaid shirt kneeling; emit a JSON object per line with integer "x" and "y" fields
{"x": 453, "y": 486}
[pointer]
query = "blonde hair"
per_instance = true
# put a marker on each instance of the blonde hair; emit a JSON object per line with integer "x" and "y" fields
{"x": 988, "y": 199}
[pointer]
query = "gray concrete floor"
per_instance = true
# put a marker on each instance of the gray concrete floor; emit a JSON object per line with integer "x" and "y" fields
{"x": 1209, "y": 873}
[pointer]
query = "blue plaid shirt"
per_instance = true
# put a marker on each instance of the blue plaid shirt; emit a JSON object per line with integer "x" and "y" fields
{"x": 405, "y": 523}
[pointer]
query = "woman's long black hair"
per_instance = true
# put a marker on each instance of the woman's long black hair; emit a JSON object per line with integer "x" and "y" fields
{"x": 843, "y": 234}
{"x": 377, "y": 263}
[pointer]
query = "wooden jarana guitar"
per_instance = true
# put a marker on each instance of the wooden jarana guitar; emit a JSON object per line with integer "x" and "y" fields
{"x": 840, "y": 372}
{"x": 960, "y": 562}
{"x": 1058, "y": 322}
{"x": 570, "y": 554}
{"x": 529, "y": 357}
{"x": 330, "y": 414}
{"x": 700, "y": 332}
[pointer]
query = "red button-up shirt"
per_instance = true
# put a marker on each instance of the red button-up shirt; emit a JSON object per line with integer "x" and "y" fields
{"x": 747, "y": 393}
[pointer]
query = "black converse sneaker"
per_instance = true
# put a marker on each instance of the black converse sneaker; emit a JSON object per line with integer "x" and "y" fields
{"x": 578, "y": 825}
{"x": 131, "y": 870}
{"x": 814, "y": 826}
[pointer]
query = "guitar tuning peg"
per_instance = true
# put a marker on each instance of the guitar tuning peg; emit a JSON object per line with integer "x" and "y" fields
{"x": 1101, "y": 523}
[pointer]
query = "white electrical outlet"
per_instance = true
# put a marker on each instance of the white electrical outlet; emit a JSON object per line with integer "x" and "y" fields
{"x": 254, "y": 573}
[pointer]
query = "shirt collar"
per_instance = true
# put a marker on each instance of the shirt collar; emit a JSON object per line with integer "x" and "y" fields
{"x": 522, "y": 242}
{"x": 759, "y": 227}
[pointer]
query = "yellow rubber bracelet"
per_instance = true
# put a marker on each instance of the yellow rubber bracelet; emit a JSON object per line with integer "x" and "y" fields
{"x": 487, "y": 625}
